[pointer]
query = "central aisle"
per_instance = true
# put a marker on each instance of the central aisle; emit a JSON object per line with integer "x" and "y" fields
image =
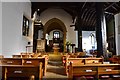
{"x": 55, "y": 70}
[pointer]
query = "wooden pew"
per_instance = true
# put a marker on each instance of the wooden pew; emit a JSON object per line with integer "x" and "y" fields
{"x": 93, "y": 70}
{"x": 108, "y": 69}
{"x": 23, "y": 55}
{"x": 30, "y": 72}
{"x": 81, "y": 70}
{"x": 26, "y": 61}
{"x": 82, "y": 61}
{"x": 115, "y": 59}
{"x": 93, "y": 60}
{"x": 64, "y": 59}
{"x": 75, "y": 61}
{"x": 36, "y": 61}
{"x": 27, "y": 55}
{"x": 11, "y": 61}
{"x": 16, "y": 56}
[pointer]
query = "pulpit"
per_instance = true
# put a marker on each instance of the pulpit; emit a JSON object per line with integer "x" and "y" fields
{"x": 40, "y": 45}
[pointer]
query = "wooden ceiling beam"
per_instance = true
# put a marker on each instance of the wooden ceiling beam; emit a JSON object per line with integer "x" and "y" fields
{"x": 84, "y": 18}
{"x": 89, "y": 15}
{"x": 83, "y": 13}
{"x": 86, "y": 15}
{"x": 109, "y": 6}
{"x": 94, "y": 23}
{"x": 83, "y": 6}
{"x": 114, "y": 8}
{"x": 91, "y": 24}
{"x": 91, "y": 18}
{"x": 117, "y": 5}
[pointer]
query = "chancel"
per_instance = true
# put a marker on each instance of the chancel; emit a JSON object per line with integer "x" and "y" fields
{"x": 60, "y": 40}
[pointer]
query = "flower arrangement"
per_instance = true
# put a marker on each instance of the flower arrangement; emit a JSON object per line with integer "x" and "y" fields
{"x": 68, "y": 43}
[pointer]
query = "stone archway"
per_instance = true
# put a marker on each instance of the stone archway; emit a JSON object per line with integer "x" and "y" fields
{"x": 61, "y": 26}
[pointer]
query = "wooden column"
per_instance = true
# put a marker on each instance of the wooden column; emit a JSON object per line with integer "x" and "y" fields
{"x": 79, "y": 29}
{"x": 100, "y": 30}
{"x": 79, "y": 39}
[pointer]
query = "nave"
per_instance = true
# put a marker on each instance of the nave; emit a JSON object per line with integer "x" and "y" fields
{"x": 36, "y": 66}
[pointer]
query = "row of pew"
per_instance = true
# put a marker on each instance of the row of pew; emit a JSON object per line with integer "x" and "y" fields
{"x": 29, "y": 55}
{"x": 90, "y": 67}
{"x": 26, "y": 68}
{"x": 94, "y": 71}
{"x": 80, "y": 61}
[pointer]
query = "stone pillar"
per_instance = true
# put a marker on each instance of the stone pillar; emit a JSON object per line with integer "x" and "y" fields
{"x": 100, "y": 30}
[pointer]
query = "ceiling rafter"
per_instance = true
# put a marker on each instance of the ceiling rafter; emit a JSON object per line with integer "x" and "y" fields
{"x": 86, "y": 14}
{"x": 85, "y": 11}
{"x": 88, "y": 17}
{"x": 109, "y": 6}
{"x": 94, "y": 18}
{"x": 114, "y": 8}
{"x": 86, "y": 20}
{"x": 117, "y": 5}
{"x": 94, "y": 22}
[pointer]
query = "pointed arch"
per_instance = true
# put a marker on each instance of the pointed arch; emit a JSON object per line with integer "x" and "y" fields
{"x": 58, "y": 24}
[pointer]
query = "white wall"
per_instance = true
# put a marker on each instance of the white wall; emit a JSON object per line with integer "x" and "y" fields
{"x": 64, "y": 17}
{"x": 12, "y": 17}
{"x": 0, "y": 28}
{"x": 86, "y": 40}
{"x": 117, "y": 23}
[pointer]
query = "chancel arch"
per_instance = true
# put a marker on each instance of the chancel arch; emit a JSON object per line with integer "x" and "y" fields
{"x": 56, "y": 25}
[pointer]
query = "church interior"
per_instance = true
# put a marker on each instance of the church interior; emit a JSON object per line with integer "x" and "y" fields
{"x": 60, "y": 40}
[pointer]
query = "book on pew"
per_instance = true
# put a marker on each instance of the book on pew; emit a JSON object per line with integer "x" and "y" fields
{"x": 106, "y": 62}
{"x": 88, "y": 70}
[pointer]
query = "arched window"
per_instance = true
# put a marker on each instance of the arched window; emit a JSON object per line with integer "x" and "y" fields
{"x": 56, "y": 34}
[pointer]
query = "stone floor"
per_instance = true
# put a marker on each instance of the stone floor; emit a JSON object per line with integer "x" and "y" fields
{"x": 55, "y": 71}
